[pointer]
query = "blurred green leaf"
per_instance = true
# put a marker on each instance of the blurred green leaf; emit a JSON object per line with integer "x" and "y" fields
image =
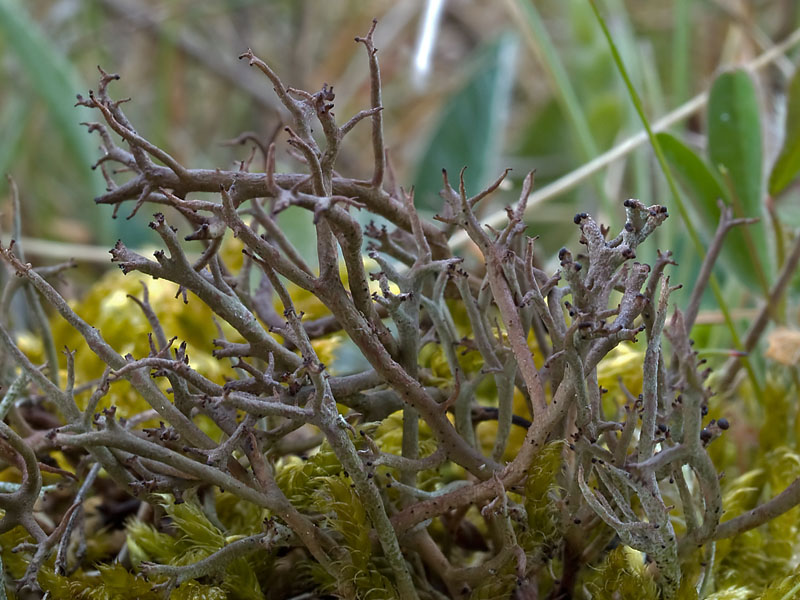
{"x": 787, "y": 166}
{"x": 546, "y": 141}
{"x": 546, "y": 135}
{"x": 55, "y": 80}
{"x": 788, "y": 208}
{"x": 471, "y": 128}
{"x": 605, "y": 115}
{"x": 703, "y": 187}
{"x": 681, "y": 49}
{"x": 13, "y": 121}
{"x": 734, "y": 148}
{"x": 296, "y": 223}
{"x": 734, "y": 136}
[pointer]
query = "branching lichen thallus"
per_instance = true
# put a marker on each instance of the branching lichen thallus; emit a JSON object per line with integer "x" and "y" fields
{"x": 539, "y": 339}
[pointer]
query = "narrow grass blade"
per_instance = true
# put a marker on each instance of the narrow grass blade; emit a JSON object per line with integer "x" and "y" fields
{"x": 703, "y": 183}
{"x": 538, "y": 40}
{"x": 681, "y": 41}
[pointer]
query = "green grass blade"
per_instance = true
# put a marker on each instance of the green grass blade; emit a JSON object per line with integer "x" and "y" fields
{"x": 538, "y": 39}
{"x": 645, "y": 77}
{"x": 701, "y": 181}
{"x": 702, "y": 188}
{"x": 544, "y": 48}
{"x": 681, "y": 41}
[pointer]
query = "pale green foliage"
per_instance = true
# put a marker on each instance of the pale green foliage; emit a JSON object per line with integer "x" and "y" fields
{"x": 196, "y": 538}
{"x": 348, "y": 518}
{"x": 782, "y": 588}
{"x": 757, "y": 557}
{"x": 622, "y": 577}
{"x": 108, "y": 307}
{"x": 758, "y": 562}
{"x": 14, "y": 563}
{"x": 732, "y": 593}
{"x": 145, "y": 542}
{"x": 540, "y": 492}
{"x": 742, "y": 493}
{"x": 299, "y": 479}
{"x": 346, "y": 513}
{"x": 499, "y": 586}
{"x": 388, "y": 436}
{"x": 195, "y": 591}
{"x": 115, "y": 582}
{"x": 778, "y": 406}
{"x": 239, "y": 518}
{"x": 787, "y": 588}
{"x": 319, "y": 485}
{"x": 541, "y": 528}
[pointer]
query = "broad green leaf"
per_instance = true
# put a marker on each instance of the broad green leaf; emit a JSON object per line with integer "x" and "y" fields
{"x": 55, "y": 80}
{"x": 470, "y": 130}
{"x": 787, "y": 166}
{"x": 703, "y": 186}
{"x": 734, "y": 136}
{"x": 734, "y": 148}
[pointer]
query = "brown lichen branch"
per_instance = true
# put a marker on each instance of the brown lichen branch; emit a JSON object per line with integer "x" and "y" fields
{"x": 378, "y": 148}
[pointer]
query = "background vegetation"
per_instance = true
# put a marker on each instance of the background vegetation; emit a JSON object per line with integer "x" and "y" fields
{"x": 527, "y": 85}
{"x": 512, "y": 84}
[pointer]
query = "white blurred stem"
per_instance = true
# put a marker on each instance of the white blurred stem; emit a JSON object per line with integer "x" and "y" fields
{"x": 429, "y": 28}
